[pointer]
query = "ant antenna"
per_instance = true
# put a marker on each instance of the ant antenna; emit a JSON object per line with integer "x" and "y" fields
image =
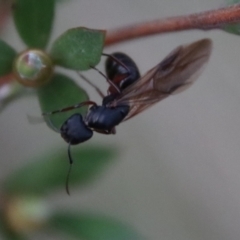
{"x": 110, "y": 82}
{"x": 91, "y": 84}
{"x": 69, "y": 170}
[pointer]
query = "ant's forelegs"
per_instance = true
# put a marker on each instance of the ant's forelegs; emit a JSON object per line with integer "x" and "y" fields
{"x": 92, "y": 85}
{"x": 113, "y": 130}
{"x": 70, "y": 108}
{"x": 108, "y": 80}
{"x": 106, "y": 132}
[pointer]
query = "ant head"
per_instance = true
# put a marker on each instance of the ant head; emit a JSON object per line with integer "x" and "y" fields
{"x": 75, "y": 131}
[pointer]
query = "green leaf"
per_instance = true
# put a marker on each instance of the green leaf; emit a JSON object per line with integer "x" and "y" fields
{"x": 232, "y": 28}
{"x": 7, "y": 56}
{"x": 48, "y": 172}
{"x": 78, "y": 48}
{"x": 33, "y": 20}
{"x": 87, "y": 227}
{"x": 59, "y": 93}
{"x": 235, "y": 27}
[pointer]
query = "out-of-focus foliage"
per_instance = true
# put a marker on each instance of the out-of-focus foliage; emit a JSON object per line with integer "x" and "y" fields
{"x": 7, "y": 55}
{"x": 33, "y": 20}
{"x": 49, "y": 171}
{"x": 78, "y": 48}
{"x": 61, "y": 92}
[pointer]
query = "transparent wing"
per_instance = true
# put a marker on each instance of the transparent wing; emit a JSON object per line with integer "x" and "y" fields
{"x": 173, "y": 75}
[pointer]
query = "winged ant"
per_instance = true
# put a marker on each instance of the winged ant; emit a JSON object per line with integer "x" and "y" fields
{"x": 129, "y": 94}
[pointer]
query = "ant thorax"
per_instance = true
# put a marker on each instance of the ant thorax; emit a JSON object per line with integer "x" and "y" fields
{"x": 105, "y": 118}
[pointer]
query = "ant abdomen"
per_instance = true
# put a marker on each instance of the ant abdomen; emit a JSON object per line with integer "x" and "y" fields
{"x": 123, "y": 72}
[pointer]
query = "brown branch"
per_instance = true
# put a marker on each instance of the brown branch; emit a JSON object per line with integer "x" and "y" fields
{"x": 6, "y": 79}
{"x": 202, "y": 21}
{"x": 5, "y": 8}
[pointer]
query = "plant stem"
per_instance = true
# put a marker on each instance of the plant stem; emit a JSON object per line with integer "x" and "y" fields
{"x": 207, "y": 20}
{"x": 203, "y": 21}
{"x": 5, "y": 7}
{"x": 6, "y": 79}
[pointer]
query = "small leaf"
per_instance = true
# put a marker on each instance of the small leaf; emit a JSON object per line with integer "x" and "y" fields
{"x": 33, "y": 20}
{"x": 7, "y": 56}
{"x": 89, "y": 227}
{"x": 49, "y": 171}
{"x": 235, "y": 27}
{"x": 59, "y": 93}
{"x": 78, "y": 48}
{"x": 232, "y": 28}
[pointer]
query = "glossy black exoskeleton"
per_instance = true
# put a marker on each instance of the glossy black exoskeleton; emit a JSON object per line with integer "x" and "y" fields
{"x": 101, "y": 119}
{"x": 123, "y": 74}
{"x": 75, "y": 131}
{"x": 129, "y": 94}
{"x": 122, "y": 71}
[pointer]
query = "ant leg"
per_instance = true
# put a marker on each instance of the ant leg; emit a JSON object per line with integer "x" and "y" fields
{"x": 117, "y": 61}
{"x": 91, "y": 84}
{"x": 113, "y": 131}
{"x": 106, "y": 132}
{"x": 108, "y": 80}
{"x": 70, "y": 108}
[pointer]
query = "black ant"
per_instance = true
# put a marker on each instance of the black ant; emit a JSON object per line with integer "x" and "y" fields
{"x": 129, "y": 94}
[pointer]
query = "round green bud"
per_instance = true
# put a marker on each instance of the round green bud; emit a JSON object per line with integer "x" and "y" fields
{"x": 33, "y": 68}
